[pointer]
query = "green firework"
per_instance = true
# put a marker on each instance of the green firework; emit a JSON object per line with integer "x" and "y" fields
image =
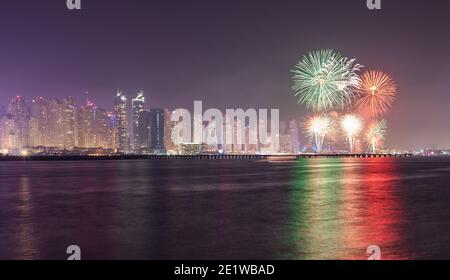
{"x": 324, "y": 80}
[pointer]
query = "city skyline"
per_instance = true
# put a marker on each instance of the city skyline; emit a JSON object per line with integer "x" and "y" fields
{"x": 222, "y": 52}
{"x": 62, "y": 126}
{"x": 188, "y": 131}
{"x": 87, "y": 127}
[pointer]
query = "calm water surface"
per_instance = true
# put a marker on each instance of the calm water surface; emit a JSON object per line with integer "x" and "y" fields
{"x": 309, "y": 209}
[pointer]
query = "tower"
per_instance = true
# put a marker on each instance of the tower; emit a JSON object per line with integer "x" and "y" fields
{"x": 120, "y": 109}
{"x": 138, "y": 105}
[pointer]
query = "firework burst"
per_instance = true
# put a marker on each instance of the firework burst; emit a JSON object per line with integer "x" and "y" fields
{"x": 352, "y": 126}
{"x": 325, "y": 79}
{"x": 375, "y": 134}
{"x": 376, "y": 93}
{"x": 318, "y": 128}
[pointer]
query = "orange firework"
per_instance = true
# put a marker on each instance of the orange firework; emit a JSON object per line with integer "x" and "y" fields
{"x": 376, "y": 93}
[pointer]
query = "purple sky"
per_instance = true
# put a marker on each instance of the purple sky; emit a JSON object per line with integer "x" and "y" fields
{"x": 230, "y": 54}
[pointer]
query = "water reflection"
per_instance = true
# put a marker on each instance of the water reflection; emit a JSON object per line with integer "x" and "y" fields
{"x": 309, "y": 209}
{"x": 339, "y": 207}
{"x": 26, "y": 236}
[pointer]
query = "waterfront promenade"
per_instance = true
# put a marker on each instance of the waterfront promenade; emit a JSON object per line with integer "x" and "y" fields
{"x": 199, "y": 157}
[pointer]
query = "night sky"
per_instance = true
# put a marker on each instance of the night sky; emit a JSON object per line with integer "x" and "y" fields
{"x": 230, "y": 54}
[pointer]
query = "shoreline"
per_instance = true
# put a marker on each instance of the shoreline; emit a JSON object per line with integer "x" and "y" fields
{"x": 200, "y": 157}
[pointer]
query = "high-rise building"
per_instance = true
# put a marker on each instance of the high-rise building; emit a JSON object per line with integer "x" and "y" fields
{"x": 34, "y": 135}
{"x": 198, "y": 129}
{"x": 86, "y": 126}
{"x": 151, "y": 131}
{"x": 112, "y": 133}
{"x": 55, "y": 124}
{"x": 138, "y": 105}
{"x": 39, "y": 110}
{"x": 101, "y": 129}
{"x": 238, "y": 130}
{"x": 156, "y": 133}
{"x": 285, "y": 144}
{"x": 120, "y": 109}
{"x": 143, "y": 132}
{"x": 8, "y": 137}
{"x": 18, "y": 109}
{"x": 168, "y": 126}
{"x": 251, "y": 147}
{"x": 295, "y": 138}
{"x": 69, "y": 123}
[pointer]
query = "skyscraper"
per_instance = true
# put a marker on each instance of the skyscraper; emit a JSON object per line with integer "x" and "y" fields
{"x": 156, "y": 132}
{"x": 101, "y": 129}
{"x": 112, "y": 134}
{"x": 138, "y": 105}
{"x": 120, "y": 109}
{"x": 69, "y": 123}
{"x": 55, "y": 124}
{"x": 39, "y": 110}
{"x": 168, "y": 127}
{"x": 7, "y": 133}
{"x": 294, "y": 133}
{"x": 34, "y": 135}
{"x": 86, "y": 126}
{"x": 143, "y": 133}
{"x": 151, "y": 131}
{"x": 17, "y": 108}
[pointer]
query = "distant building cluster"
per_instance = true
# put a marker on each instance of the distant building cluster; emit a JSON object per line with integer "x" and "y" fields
{"x": 60, "y": 127}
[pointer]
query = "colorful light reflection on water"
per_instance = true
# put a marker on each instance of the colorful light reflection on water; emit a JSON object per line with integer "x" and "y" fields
{"x": 340, "y": 207}
{"x": 308, "y": 209}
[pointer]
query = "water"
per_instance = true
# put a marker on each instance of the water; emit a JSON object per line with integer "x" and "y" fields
{"x": 309, "y": 209}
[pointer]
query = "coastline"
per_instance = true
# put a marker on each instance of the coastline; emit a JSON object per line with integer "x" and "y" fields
{"x": 198, "y": 157}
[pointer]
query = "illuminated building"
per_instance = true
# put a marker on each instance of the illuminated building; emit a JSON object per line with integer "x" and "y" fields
{"x": 192, "y": 148}
{"x": 238, "y": 130}
{"x": 251, "y": 133}
{"x": 69, "y": 123}
{"x": 168, "y": 127}
{"x": 138, "y": 105}
{"x": 39, "y": 110}
{"x": 8, "y": 137}
{"x": 55, "y": 124}
{"x": 151, "y": 131}
{"x": 156, "y": 133}
{"x": 120, "y": 109}
{"x": 86, "y": 126}
{"x": 294, "y": 133}
{"x": 19, "y": 112}
{"x": 112, "y": 133}
{"x": 34, "y": 135}
{"x": 198, "y": 128}
{"x": 101, "y": 129}
{"x": 285, "y": 144}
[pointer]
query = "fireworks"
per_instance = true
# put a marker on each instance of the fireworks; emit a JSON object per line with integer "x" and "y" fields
{"x": 376, "y": 93}
{"x": 375, "y": 134}
{"x": 325, "y": 79}
{"x": 318, "y": 127}
{"x": 327, "y": 82}
{"x": 352, "y": 126}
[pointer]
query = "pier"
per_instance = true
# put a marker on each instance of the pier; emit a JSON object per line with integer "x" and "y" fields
{"x": 199, "y": 157}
